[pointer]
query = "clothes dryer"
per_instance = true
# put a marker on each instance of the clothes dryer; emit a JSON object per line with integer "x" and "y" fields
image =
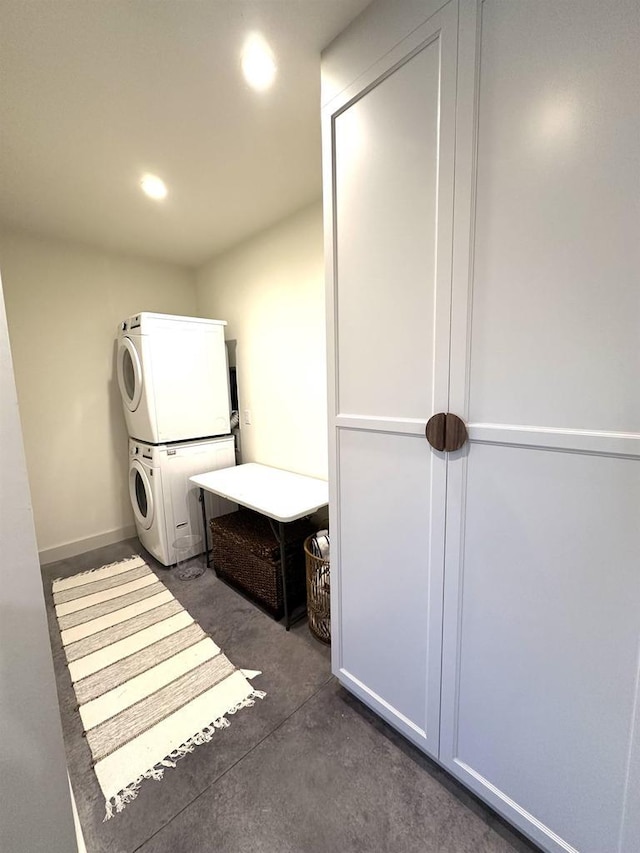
{"x": 173, "y": 377}
{"x": 165, "y": 504}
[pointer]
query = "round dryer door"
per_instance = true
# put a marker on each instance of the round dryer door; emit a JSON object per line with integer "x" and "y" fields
{"x": 141, "y": 494}
{"x": 129, "y": 374}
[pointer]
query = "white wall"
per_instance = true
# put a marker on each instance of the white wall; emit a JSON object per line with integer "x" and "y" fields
{"x": 270, "y": 289}
{"x": 64, "y": 302}
{"x": 35, "y": 808}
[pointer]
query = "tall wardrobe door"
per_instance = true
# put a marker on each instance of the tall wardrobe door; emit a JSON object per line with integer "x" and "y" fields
{"x": 542, "y": 594}
{"x": 392, "y": 194}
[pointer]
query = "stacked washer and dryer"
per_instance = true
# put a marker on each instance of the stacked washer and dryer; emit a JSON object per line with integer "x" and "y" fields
{"x": 174, "y": 381}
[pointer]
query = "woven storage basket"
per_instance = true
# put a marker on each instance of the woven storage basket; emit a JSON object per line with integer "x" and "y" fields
{"x": 318, "y": 594}
{"x": 246, "y": 554}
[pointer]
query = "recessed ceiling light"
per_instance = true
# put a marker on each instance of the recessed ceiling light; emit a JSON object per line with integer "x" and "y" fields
{"x": 258, "y": 63}
{"x": 153, "y": 186}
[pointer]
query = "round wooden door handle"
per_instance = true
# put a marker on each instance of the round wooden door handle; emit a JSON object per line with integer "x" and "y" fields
{"x": 445, "y": 431}
{"x": 435, "y": 431}
{"x": 455, "y": 432}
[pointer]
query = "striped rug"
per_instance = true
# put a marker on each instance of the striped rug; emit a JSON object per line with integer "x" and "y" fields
{"x": 150, "y": 684}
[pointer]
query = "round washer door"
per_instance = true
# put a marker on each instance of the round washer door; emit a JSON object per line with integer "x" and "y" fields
{"x": 140, "y": 494}
{"x": 129, "y": 374}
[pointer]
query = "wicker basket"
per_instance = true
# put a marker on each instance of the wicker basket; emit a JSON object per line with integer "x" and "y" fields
{"x": 246, "y": 554}
{"x": 318, "y": 594}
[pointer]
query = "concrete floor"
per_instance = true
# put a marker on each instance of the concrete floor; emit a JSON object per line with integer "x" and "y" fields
{"x": 307, "y": 770}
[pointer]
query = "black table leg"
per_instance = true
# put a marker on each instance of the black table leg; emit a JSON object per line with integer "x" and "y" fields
{"x": 204, "y": 527}
{"x": 283, "y": 570}
{"x": 281, "y": 536}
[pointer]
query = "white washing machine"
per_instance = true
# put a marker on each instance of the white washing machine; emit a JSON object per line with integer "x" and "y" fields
{"x": 173, "y": 377}
{"x": 165, "y": 504}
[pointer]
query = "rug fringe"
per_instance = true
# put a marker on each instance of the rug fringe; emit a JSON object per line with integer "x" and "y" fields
{"x": 97, "y": 569}
{"x": 117, "y": 804}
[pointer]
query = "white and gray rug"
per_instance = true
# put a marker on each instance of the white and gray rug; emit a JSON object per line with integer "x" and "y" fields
{"x": 150, "y": 684}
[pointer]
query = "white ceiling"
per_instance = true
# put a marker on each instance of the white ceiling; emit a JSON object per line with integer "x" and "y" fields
{"x": 95, "y": 92}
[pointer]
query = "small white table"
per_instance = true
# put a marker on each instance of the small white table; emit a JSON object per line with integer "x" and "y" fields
{"x": 280, "y": 495}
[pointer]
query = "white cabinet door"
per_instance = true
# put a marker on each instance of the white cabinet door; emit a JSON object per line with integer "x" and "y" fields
{"x": 542, "y": 593}
{"x": 390, "y": 195}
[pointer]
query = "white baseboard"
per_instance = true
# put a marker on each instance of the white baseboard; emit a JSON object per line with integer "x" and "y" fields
{"x": 72, "y": 549}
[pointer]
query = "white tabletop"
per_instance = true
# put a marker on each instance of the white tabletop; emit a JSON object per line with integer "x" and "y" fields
{"x": 281, "y": 495}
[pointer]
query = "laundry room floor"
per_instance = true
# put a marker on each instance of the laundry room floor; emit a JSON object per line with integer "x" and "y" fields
{"x": 309, "y": 768}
